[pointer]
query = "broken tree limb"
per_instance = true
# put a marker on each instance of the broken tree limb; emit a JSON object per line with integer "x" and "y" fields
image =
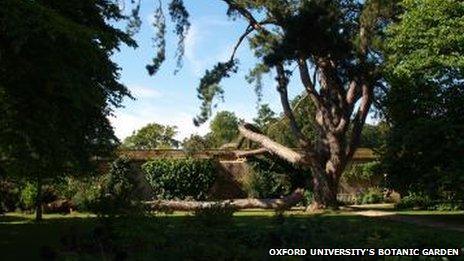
{"x": 280, "y": 203}
{"x": 248, "y": 153}
{"x": 273, "y": 147}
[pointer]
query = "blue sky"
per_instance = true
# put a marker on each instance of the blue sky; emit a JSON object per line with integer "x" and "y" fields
{"x": 172, "y": 99}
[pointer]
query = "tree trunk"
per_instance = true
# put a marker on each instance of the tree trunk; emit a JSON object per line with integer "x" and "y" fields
{"x": 38, "y": 200}
{"x": 324, "y": 191}
{"x": 282, "y": 203}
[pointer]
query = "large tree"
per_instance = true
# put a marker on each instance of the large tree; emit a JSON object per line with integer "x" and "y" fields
{"x": 224, "y": 128}
{"x": 425, "y": 69}
{"x": 58, "y": 85}
{"x": 333, "y": 47}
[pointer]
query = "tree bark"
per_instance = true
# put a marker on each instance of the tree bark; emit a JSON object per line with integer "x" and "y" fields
{"x": 325, "y": 190}
{"x": 282, "y": 203}
{"x": 38, "y": 199}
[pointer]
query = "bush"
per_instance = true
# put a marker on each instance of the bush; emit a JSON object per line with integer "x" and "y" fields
{"x": 119, "y": 190}
{"x": 447, "y": 206}
{"x": 28, "y": 196}
{"x": 414, "y": 200}
{"x": 364, "y": 173}
{"x": 420, "y": 201}
{"x": 87, "y": 193}
{"x": 180, "y": 178}
{"x": 9, "y": 195}
{"x": 371, "y": 196}
{"x": 272, "y": 177}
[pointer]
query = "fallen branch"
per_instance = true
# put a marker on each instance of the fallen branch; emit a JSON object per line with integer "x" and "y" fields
{"x": 249, "y": 132}
{"x": 248, "y": 153}
{"x": 281, "y": 203}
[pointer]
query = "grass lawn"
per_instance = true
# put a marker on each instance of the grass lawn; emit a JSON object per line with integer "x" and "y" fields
{"x": 248, "y": 235}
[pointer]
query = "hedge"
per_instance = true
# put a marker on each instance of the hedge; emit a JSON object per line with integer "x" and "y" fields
{"x": 180, "y": 178}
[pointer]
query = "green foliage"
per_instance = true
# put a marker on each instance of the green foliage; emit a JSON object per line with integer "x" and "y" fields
{"x": 119, "y": 194}
{"x": 112, "y": 193}
{"x": 421, "y": 201}
{"x": 87, "y": 195}
{"x": 265, "y": 117}
{"x": 224, "y": 128}
{"x": 414, "y": 200}
{"x": 371, "y": 195}
{"x": 278, "y": 128}
{"x": 427, "y": 42}
{"x": 195, "y": 143}
{"x": 28, "y": 196}
{"x": 152, "y": 136}
{"x": 273, "y": 177}
{"x": 180, "y": 178}
{"x": 424, "y": 66}
{"x": 267, "y": 184}
{"x": 209, "y": 88}
{"x": 374, "y": 136}
{"x": 9, "y": 195}
{"x": 120, "y": 181}
{"x": 179, "y": 17}
{"x": 83, "y": 192}
{"x": 364, "y": 173}
{"x": 312, "y": 30}
{"x": 247, "y": 237}
{"x": 58, "y": 83}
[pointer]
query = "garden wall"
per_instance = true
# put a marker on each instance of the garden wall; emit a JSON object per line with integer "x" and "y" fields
{"x": 231, "y": 171}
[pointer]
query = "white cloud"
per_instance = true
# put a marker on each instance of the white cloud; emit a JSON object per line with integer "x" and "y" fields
{"x": 191, "y": 42}
{"x": 144, "y": 92}
{"x": 202, "y": 34}
{"x": 125, "y": 122}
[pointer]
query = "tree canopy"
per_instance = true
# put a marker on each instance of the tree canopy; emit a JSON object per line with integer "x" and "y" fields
{"x": 224, "y": 128}
{"x": 152, "y": 136}
{"x": 335, "y": 48}
{"x": 424, "y": 68}
{"x": 58, "y": 84}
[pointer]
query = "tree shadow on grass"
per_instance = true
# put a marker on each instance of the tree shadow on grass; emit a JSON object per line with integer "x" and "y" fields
{"x": 451, "y": 221}
{"x": 244, "y": 237}
{"x": 5, "y": 219}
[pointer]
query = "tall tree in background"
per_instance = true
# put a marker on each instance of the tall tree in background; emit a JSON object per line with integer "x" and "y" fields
{"x": 57, "y": 85}
{"x": 424, "y": 106}
{"x": 333, "y": 46}
{"x": 224, "y": 128}
{"x": 196, "y": 143}
{"x": 266, "y": 116}
{"x": 152, "y": 136}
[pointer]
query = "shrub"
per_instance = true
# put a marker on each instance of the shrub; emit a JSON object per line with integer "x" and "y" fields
{"x": 421, "y": 201}
{"x": 414, "y": 200}
{"x": 180, "y": 178}
{"x": 28, "y": 196}
{"x": 119, "y": 189}
{"x": 83, "y": 192}
{"x": 272, "y": 177}
{"x": 364, "y": 173}
{"x": 87, "y": 193}
{"x": 9, "y": 195}
{"x": 371, "y": 196}
{"x": 120, "y": 181}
